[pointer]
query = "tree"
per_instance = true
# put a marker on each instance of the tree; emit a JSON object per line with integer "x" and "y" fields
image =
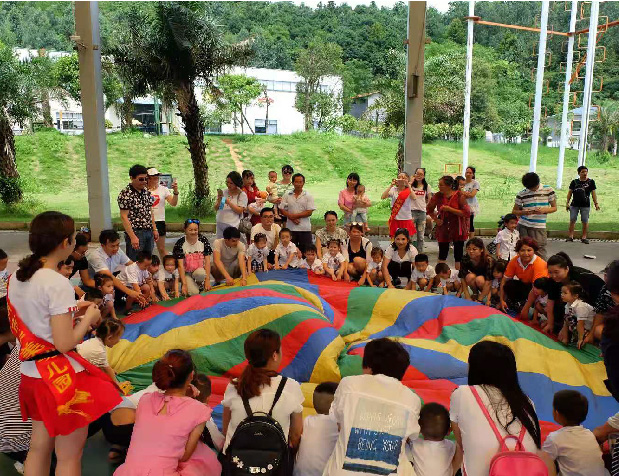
{"x": 605, "y": 129}
{"x": 171, "y": 46}
{"x": 313, "y": 64}
{"x": 17, "y": 105}
{"x": 237, "y": 92}
{"x": 357, "y": 78}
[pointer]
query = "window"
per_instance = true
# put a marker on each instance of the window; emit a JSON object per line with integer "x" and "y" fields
{"x": 261, "y": 128}
{"x": 69, "y": 120}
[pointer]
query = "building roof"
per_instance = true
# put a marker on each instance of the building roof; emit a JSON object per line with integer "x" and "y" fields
{"x": 363, "y": 95}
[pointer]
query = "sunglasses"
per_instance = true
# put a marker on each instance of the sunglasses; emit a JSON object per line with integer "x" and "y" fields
{"x": 192, "y": 220}
{"x": 287, "y": 172}
{"x": 357, "y": 223}
{"x": 142, "y": 179}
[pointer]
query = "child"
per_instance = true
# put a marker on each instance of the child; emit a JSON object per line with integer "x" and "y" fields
{"x": 211, "y": 436}
{"x": 4, "y": 274}
{"x": 257, "y": 206}
{"x": 320, "y": 434}
{"x": 578, "y": 315}
{"x": 136, "y": 277}
{"x": 168, "y": 425}
{"x": 168, "y": 278}
{"x": 271, "y": 189}
{"x": 310, "y": 262}
{"x": 573, "y": 447}
{"x": 422, "y": 273}
{"x": 257, "y": 254}
{"x": 286, "y": 251}
{"x": 66, "y": 267}
{"x": 461, "y": 181}
{"x": 153, "y": 272}
{"x": 361, "y": 203}
{"x": 540, "y": 288}
{"x": 105, "y": 284}
{"x": 108, "y": 334}
{"x": 507, "y": 238}
{"x": 447, "y": 279}
{"x": 491, "y": 288}
{"x": 334, "y": 261}
{"x": 374, "y": 270}
{"x": 433, "y": 455}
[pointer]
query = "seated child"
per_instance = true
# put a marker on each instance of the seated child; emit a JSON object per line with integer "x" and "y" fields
{"x": 578, "y": 315}
{"x": 168, "y": 278}
{"x": 334, "y": 261}
{"x": 211, "y": 436}
{"x": 374, "y": 269}
{"x": 136, "y": 277}
{"x": 491, "y": 288}
{"x": 153, "y": 272}
{"x": 107, "y": 334}
{"x": 507, "y": 238}
{"x": 271, "y": 189}
{"x": 445, "y": 278}
{"x": 311, "y": 260}
{"x": 361, "y": 203}
{"x": 319, "y": 434}
{"x": 286, "y": 251}
{"x": 573, "y": 447}
{"x": 433, "y": 455}
{"x": 257, "y": 254}
{"x": 4, "y": 274}
{"x": 105, "y": 284}
{"x": 540, "y": 288}
{"x": 422, "y": 273}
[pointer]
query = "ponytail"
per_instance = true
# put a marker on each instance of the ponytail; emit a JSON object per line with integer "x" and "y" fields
{"x": 562, "y": 260}
{"x": 173, "y": 369}
{"x": 109, "y": 327}
{"x": 259, "y": 347}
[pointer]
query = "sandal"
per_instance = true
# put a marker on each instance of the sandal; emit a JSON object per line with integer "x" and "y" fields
{"x": 117, "y": 454}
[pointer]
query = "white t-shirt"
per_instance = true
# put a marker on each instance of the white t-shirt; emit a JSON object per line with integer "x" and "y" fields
{"x": 473, "y": 202}
{"x": 257, "y": 254}
{"x": 159, "y": 196}
{"x": 478, "y": 440}
{"x": 94, "y": 351}
{"x": 228, "y": 216}
{"x": 99, "y": 260}
{"x": 320, "y": 434}
{"x": 291, "y": 401}
{"x": 285, "y": 251}
{"x": 418, "y": 198}
{"x": 315, "y": 266}
{"x": 47, "y": 293}
{"x": 372, "y": 265}
{"x": 293, "y": 204}
{"x": 333, "y": 262}
{"x": 376, "y": 414}
{"x": 270, "y": 234}
{"x": 164, "y": 275}
{"x": 576, "y": 450}
{"x": 393, "y": 255}
{"x": 429, "y": 273}
{"x": 432, "y": 458}
{"x": 132, "y": 274}
{"x": 507, "y": 240}
{"x": 582, "y": 311}
{"x": 405, "y": 211}
{"x": 4, "y": 279}
{"x": 452, "y": 278}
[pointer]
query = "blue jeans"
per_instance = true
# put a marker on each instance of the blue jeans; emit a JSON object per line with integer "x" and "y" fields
{"x": 147, "y": 243}
{"x": 419, "y": 217}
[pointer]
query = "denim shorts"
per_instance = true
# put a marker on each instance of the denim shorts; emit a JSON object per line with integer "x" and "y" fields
{"x": 584, "y": 213}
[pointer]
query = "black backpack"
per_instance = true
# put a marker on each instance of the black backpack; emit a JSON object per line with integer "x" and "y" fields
{"x": 258, "y": 445}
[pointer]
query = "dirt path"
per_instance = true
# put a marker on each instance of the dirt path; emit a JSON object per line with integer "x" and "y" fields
{"x": 235, "y": 156}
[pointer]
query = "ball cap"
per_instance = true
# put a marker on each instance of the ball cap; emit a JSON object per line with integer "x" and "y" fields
{"x": 153, "y": 171}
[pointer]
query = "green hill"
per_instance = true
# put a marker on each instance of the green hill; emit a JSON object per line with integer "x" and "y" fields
{"x": 53, "y": 168}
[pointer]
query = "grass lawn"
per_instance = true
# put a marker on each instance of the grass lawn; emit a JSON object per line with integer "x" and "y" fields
{"x": 53, "y": 168}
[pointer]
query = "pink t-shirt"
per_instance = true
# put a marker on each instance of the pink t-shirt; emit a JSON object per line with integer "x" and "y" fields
{"x": 346, "y": 198}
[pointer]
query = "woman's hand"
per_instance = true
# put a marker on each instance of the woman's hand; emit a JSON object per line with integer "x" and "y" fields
{"x": 184, "y": 290}
{"x": 503, "y": 306}
{"x": 229, "y": 281}
{"x": 243, "y": 282}
{"x": 92, "y": 315}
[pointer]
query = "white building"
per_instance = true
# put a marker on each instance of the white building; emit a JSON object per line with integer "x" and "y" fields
{"x": 573, "y": 138}
{"x": 361, "y": 107}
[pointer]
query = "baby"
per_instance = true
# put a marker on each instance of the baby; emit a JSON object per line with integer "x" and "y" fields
{"x": 334, "y": 261}
{"x": 361, "y": 203}
{"x": 447, "y": 279}
{"x": 259, "y": 204}
{"x": 211, "y": 436}
{"x": 286, "y": 251}
{"x": 311, "y": 262}
{"x": 271, "y": 189}
{"x": 540, "y": 288}
{"x": 374, "y": 270}
{"x": 491, "y": 288}
{"x": 168, "y": 278}
{"x": 257, "y": 254}
{"x": 578, "y": 315}
{"x": 422, "y": 273}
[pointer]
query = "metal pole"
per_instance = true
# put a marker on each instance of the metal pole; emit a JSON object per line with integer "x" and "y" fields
{"x": 413, "y": 129}
{"x": 565, "y": 129}
{"x": 88, "y": 42}
{"x": 586, "y": 98}
{"x": 467, "y": 88}
{"x": 539, "y": 82}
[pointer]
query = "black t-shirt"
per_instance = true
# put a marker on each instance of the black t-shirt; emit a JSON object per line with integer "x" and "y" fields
{"x": 591, "y": 283}
{"x": 79, "y": 265}
{"x": 581, "y": 192}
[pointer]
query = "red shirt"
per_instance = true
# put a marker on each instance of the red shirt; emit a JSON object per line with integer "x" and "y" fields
{"x": 453, "y": 228}
{"x": 251, "y": 198}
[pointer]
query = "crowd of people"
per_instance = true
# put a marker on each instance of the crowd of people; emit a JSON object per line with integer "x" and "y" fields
{"x": 57, "y": 377}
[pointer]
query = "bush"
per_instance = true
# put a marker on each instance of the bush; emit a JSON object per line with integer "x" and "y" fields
{"x": 188, "y": 207}
{"x": 10, "y": 190}
{"x": 430, "y": 132}
{"x": 477, "y": 133}
{"x": 456, "y": 132}
{"x": 347, "y": 123}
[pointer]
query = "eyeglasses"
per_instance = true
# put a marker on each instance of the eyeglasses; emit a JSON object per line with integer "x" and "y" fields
{"x": 287, "y": 172}
{"x": 142, "y": 179}
{"x": 192, "y": 220}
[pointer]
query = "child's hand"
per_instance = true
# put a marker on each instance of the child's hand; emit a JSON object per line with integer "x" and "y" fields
{"x": 229, "y": 281}
{"x": 177, "y": 294}
{"x": 563, "y": 335}
{"x": 285, "y": 266}
{"x": 165, "y": 297}
{"x": 334, "y": 277}
{"x": 92, "y": 315}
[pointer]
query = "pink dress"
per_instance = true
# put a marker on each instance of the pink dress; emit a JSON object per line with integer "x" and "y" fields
{"x": 158, "y": 441}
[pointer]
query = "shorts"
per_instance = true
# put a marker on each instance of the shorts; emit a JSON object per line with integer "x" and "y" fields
{"x": 160, "y": 227}
{"x": 584, "y": 214}
{"x": 443, "y": 250}
{"x": 472, "y": 226}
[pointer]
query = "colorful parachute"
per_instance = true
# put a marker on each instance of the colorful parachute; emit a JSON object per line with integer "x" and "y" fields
{"x": 325, "y": 326}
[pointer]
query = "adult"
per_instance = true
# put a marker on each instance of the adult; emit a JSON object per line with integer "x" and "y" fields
{"x": 297, "y": 206}
{"x": 522, "y": 270}
{"x": 471, "y": 187}
{"x": 193, "y": 256}
{"x": 107, "y": 259}
{"x": 346, "y": 200}
{"x": 450, "y": 211}
{"x": 400, "y": 193}
{"x": 532, "y": 205}
{"x": 476, "y": 268}
{"x": 136, "y": 212}
{"x": 492, "y": 375}
{"x": 80, "y": 262}
{"x": 419, "y": 202}
{"x": 562, "y": 271}
{"x": 603, "y": 304}
{"x": 330, "y": 232}
{"x": 230, "y": 204}
{"x": 258, "y": 385}
{"x": 581, "y": 189}
{"x": 161, "y": 194}
{"x": 283, "y": 186}
{"x": 357, "y": 251}
{"x": 251, "y": 190}
{"x": 399, "y": 259}
{"x": 229, "y": 258}
{"x": 268, "y": 227}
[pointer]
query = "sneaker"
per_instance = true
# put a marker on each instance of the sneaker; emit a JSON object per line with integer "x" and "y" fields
{"x": 570, "y": 239}
{"x": 585, "y": 241}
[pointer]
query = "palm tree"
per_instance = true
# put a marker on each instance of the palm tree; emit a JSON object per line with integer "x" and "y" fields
{"x": 167, "y": 48}
{"x": 606, "y": 127}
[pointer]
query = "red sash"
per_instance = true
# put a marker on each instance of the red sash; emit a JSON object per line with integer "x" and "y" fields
{"x": 399, "y": 202}
{"x": 56, "y": 371}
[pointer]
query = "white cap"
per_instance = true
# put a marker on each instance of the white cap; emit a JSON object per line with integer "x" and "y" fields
{"x": 152, "y": 171}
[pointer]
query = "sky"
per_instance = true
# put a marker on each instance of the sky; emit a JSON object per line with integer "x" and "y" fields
{"x": 440, "y": 5}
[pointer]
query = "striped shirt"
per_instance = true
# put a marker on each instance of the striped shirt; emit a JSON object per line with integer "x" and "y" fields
{"x": 14, "y": 433}
{"x": 526, "y": 199}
